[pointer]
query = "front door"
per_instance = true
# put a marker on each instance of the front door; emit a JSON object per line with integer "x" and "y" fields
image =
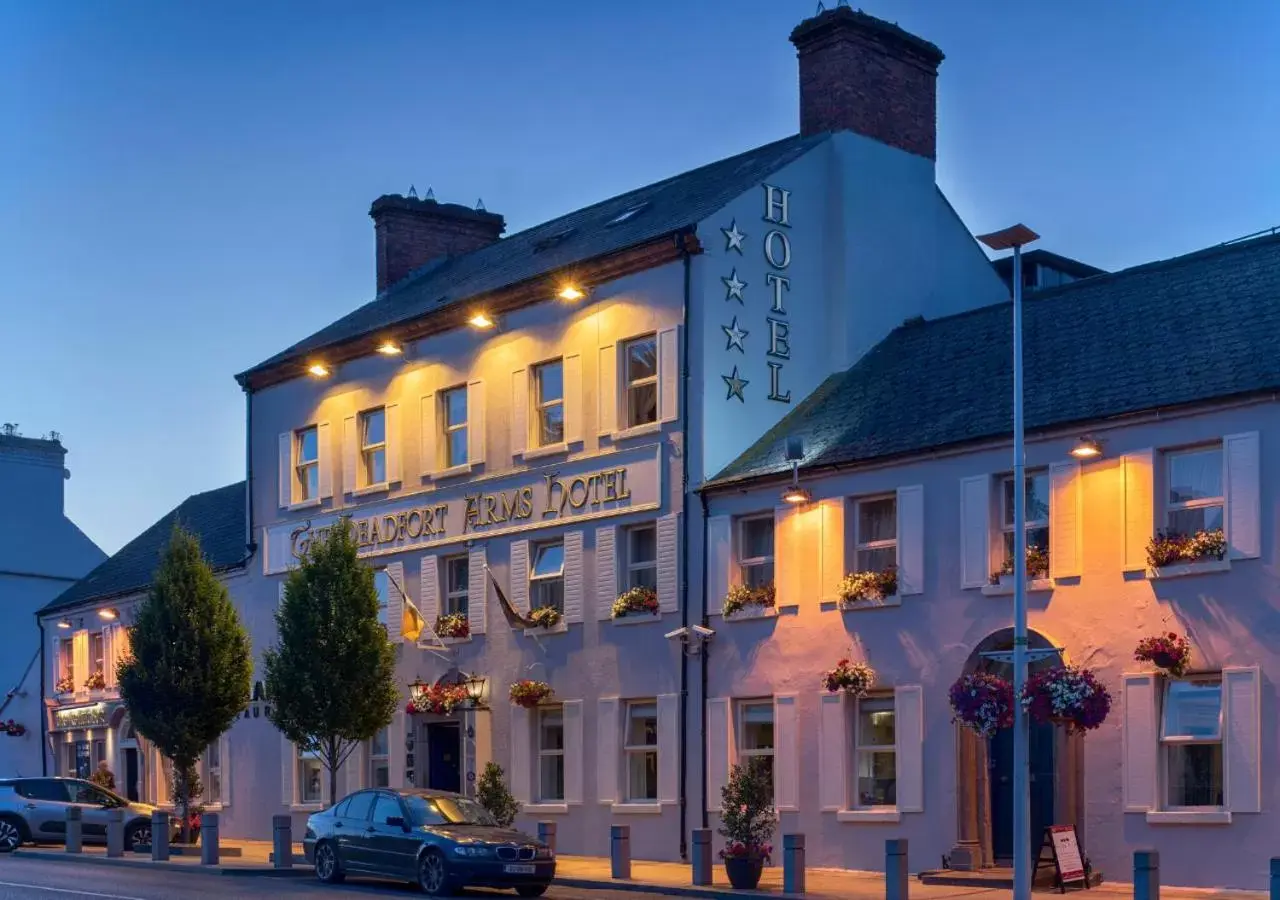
{"x": 1042, "y": 739}
{"x": 131, "y": 774}
{"x": 444, "y": 756}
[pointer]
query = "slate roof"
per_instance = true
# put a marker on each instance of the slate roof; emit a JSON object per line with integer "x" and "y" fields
{"x": 668, "y": 206}
{"x": 216, "y": 517}
{"x": 1199, "y": 327}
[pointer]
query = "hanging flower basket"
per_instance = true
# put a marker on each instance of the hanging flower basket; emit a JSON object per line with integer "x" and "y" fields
{"x": 1169, "y": 651}
{"x": 453, "y": 625}
{"x": 529, "y": 694}
{"x": 871, "y": 586}
{"x": 1167, "y": 549}
{"x": 639, "y": 601}
{"x": 545, "y": 617}
{"x": 1067, "y": 695}
{"x": 982, "y": 702}
{"x": 740, "y": 597}
{"x": 1037, "y": 565}
{"x": 95, "y": 682}
{"x": 854, "y": 678}
{"x": 12, "y": 728}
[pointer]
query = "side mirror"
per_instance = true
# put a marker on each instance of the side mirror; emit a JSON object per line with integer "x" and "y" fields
{"x": 398, "y": 822}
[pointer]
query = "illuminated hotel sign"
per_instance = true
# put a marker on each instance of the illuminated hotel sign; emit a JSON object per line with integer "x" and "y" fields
{"x": 92, "y": 716}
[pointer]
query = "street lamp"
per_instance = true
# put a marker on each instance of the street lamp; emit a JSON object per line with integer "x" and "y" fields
{"x": 1015, "y": 238}
{"x": 475, "y": 690}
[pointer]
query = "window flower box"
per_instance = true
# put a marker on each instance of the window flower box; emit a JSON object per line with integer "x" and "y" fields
{"x": 529, "y": 694}
{"x": 453, "y": 625}
{"x": 868, "y": 588}
{"x": 1037, "y": 568}
{"x": 95, "y": 682}
{"x": 750, "y": 602}
{"x": 639, "y": 601}
{"x": 546, "y": 617}
{"x": 65, "y": 685}
{"x": 1168, "y": 552}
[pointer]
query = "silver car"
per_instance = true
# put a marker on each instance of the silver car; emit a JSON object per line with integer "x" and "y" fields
{"x": 34, "y": 811}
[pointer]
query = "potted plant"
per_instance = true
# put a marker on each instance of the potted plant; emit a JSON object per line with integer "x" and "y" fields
{"x": 982, "y": 702}
{"x": 95, "y": 682}
{"x": 741, "y": 596}
{"x": 854, "y": 678}
{"x": 13, "y": 728}
{"x": 529, "y": 693}
{"x": 453, "y": 625}
{"x": 1170, "y": 652}
{"x": 747, "y": 821}
{"x": 1170, "y": 548}
{"x": 1037, "y": 566}
{"x": 545, "y": 617}
{"x": 640, "y": 601}
{"x": 1067, "y": 695}
{"x": 870, "y": 586}
{"x": 65, "y": 685}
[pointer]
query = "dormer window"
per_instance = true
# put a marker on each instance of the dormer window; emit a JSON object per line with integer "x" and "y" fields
{"x": 627, "y": 214}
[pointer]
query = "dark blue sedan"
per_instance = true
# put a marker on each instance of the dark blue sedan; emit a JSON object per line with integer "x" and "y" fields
{"x": 437, "y": 840}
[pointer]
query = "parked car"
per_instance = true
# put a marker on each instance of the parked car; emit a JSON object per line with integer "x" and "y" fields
{"x": 34, "y": 811}
{"x": 438, "y": 840}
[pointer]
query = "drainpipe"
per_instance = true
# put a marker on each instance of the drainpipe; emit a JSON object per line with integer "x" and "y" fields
{"x": 684, "y": 556}
{"x": 706, "y": 651}
{"x": 44, "y": 713}
{"x": 250, "y": 546}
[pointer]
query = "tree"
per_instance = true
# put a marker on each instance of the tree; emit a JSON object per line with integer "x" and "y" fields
{"x": 491, "y": 791}
{"x": 331, "y": 675}
{"x": 188, "y": 678}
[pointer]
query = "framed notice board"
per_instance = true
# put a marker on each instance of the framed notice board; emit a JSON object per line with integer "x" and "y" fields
{"x": 1063, "y": 852}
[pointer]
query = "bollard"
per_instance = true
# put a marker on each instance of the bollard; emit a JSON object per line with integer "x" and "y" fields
{"x": 895, "y": 869}
{"x": 74, "y": 829}
{"x": 547, "y": 834}
{"x": 1146, "y": 875}
{"x": 793, "y": 863}
{"x": 160, "y": 835}
{"x": 209, "y": 839}
{"x": 115, "y": 832}
{"x": 282, "y": 841}
{"x": 620, "y": 850}
{"x": 701, "y": 856}
{"x": 1275, "y": 878}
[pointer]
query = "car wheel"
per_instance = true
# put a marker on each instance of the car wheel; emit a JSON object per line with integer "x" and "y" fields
{"x": 327, "y": 868}
{"x": 138, "y": 835}
{"x": 11, "y": 834}
{"x": 433, "y": 874}
{"x": 531, "y": 890}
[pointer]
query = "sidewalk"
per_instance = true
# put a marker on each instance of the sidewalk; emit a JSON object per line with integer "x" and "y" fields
{"x": 254, "y": 859}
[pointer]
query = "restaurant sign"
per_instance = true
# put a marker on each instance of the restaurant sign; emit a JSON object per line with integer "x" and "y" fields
{"x": 92, "y": 716}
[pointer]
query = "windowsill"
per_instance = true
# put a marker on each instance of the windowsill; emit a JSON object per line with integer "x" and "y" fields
{"x": 1034, "y": 585}
{"x": 560, "y": 627}
{"x": 752, "y": 612}
{"x": 305, "y": 504}
{"x": 633, "y": 619}
{"x": 305, "y": 807}
{"x": 547, "y": 450}
{"x": 547, "y": 808}
{"x": 868, "y": 815}
{"x": 856, "y": 605}
{"x": 1192, "y": 568}
{"x": 646, "y": 808}
{"x": 636, "y": 431}
{"x": 456, "y": 640}
{"x": 379, "y": 488}
{"x": 452, "y": 471}
{"x": 1189, "y": 817}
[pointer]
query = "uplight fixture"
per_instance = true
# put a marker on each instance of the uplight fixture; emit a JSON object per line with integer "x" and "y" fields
{"x": 1086, "y": 448}
{"x": 318, "y": 370}
{"x": 571, "y": 292}
{"x": 109, "y": 613}
{"x": 480, "y": 320}
{"x": 389, "y": 348}
{"x": 64, "y": 624}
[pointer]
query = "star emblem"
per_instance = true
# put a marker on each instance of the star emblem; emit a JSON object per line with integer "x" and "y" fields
{"x": 733, "y": 237}
{"x": 735, "y": 335}
{"x": 735, "y": 385}
{"x": 733, "y": 287}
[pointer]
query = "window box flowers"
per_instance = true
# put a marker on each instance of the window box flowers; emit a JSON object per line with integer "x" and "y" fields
{"x": 1167, "y": 549}
{"x": 545, "y": 617}
{"x": 869, "y": 587}
{"x": 1169, "y": 652}
{"x": 982, "y": 702}
{"x": 12, "y": 728}
{"x": 1037, "y": 566}
{"x": 95, "y": 682}
{"x": 438, "y": 699}
{"x": 639, "y": 601}
{"x": 453, "y": 625}
{"x": 741, "y": 597}
{"x": 65, "y": 685}
{"x": 529, "y": 694}
{"x": 747, "y": 822}
{"x": 1067, "y": 695}
{"x": 854, "y": 678}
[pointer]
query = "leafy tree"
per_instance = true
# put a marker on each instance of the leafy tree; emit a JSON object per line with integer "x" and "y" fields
{"x": 491, "y": 791}
{"x": 331, "y": 675}
{"x": 188, "y": 677}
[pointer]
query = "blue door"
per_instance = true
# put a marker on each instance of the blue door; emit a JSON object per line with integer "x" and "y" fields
{"x": 444, "y": 756}
{"x": 1041, "y": 742}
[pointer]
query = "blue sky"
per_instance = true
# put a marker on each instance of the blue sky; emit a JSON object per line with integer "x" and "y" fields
{"x": 184, "y": 187}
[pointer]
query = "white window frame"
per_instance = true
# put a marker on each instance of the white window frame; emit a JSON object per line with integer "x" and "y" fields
{"x": 452, "y": 597}
{"x": 1167, "y": 742}
{"x": 859, "y": 748}
{"x": 859, "y": 544}
{"x": 448, "y": 430}
{"x": 542, "y": 753}
{"x": 384, "y": 598}
{"x": 371, "y": 449}
{"x": 207, "y": 769}
{"x": 541, "y": 405}
{"x": 629, "y": 750}
{"x": 1028, "y": 524}
{"x": 630, "y": 384}
{"x": 632, "y": 566}
{"x": 379, "y": 760}
{"x": 302, "y": 467}
{"x": 66, "y": 658}
{"x": 1171, "y": 507}
{"x": 744, "y": 754}
{"x": 300, "y": 757}
{"x": 98, "y": 657}
{"x": 747, "y": 562}
{"x": 535, "y": 580}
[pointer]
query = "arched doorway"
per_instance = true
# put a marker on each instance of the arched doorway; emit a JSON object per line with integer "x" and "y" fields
{"x": 131, "y": 776}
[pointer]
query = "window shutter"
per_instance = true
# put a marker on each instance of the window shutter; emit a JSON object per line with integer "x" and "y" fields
{"x": 395, "y": 601}
{"x": 521, "y": 754}
{"x": 429, "y": 590}
{"x": 833, "y": 750}
{"x": 80, "y": 657}
{"x": 395, "y": 748}
{"x": 833, "y": 542}
{"x": 573, "y": 751}
{"x": 520, "y": 576}
{"x": 1243, "y": 495}
{"x": 908, "y": 703}
{"x": 477, "y": 590}
{"x": 608, "y": 390}
{"x": 288, "y": 772}
{"x": 606, "y": 570}
{"x": 1241, "y": 738}
{"x": 573, "y": 576}
{"x": 350, "y": 455}
{"x": 573, "y": 399}
{"x": 787, "y": 564}
{"x": 1065, "y": 520}
{"x": 286, "y": 469}
{"x": 669, "y": 563}
{"x": 1141, "y": 743}
{"x": 911, "y": 540}
{"x": 324, "y": 460}
{"x": 668, "y": 748}
{"x": 786, "y": 752}
{"x": 608, "y": 750}
{"x": 975, "y": 531}
{"x": 391, "y": 413}
{"x": 429, "y": 451}
{"x": 719, "y": 561}
{"x": 124, "y": 647}
{"x": 476, "y": 443}
{"x": 719, "y": 748}
{"x": 55, "y": 660}
{"x": 108, "y": 656}
{"x": 1139, "y": 510}
{"x": 669, "y": 375}
{"x": 519, "y": 411}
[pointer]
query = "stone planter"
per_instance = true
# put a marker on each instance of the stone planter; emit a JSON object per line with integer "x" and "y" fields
{"x": 744, "y": 871}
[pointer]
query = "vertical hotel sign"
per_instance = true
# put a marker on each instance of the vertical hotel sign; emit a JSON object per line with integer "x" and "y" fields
{"x": 777, "y": 253}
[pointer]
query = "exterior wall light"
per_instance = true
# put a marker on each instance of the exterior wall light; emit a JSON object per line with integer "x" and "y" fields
{"x": 481, "y": 321}
{"x": 109, "y": 613}
{"x": 318, "y": 370}
{"x": 389, "y": 348}
{"x": 64, "y": 624}
{"x": 1086, "y": 448}
{"x": 795, "y": 454}
{"x": 796, "y": 494}
{"x": 475, "y": 685}
{"x": 571, "y": 292}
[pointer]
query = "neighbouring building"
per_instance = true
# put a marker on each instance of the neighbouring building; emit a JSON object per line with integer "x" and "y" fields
{"x": 42, "y": 553}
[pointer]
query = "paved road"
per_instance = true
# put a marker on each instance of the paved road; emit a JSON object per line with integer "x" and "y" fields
{"x": 33, "y": 879}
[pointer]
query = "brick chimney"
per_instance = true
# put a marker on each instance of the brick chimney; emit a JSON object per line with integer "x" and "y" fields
{"x": 859, "y": 73}
{"x": 410, "y": 233}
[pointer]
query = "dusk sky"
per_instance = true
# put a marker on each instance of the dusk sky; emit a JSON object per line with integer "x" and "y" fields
{"x": 184, "y": 187}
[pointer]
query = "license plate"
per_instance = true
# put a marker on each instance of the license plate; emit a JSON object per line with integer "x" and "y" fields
{"x": 519, "y": 869}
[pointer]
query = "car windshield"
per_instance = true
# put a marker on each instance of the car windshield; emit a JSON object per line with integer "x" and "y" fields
{"x": 447, "y": 811}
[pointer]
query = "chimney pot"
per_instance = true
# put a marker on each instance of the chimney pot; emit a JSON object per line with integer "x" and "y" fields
{"x": 410, "y": 232}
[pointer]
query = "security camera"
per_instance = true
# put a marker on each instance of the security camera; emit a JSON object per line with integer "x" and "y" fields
{"x": 679, "y": 633}
{"x": 704, "y": 632}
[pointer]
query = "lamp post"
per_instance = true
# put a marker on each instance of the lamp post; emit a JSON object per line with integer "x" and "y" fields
{"x": 1015, "y": 238}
